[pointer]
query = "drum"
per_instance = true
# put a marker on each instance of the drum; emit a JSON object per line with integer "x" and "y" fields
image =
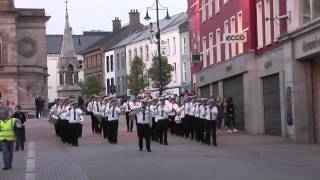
{"x": 53, "y": 119}
{"x": 99, "y": 117}
{"x": 177, "y": 119}
{"x": 132, "y": 116}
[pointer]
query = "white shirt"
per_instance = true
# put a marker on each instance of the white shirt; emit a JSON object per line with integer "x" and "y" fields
{"x": 147, "y": 116}
{"x": 74, "y": 115}
{"x": 212, "y": 113}
{"x": 203, "y": 111}
{"x": 162, "y": 112}
{"x": 192, "y": 109}
{"x": 175, "y": 109}
{"x": 113, "y": 113}
{"x": 90, "y": 106}
{"x": 186, "y": 108}
{"x": 65, "y": 112}
{"x": 128, "y": 106}
{"x": 96, "y": 108}
{"x": 197, "y": 111}
{"x": 182, "y": 111}
{"x": 152, "y": 109}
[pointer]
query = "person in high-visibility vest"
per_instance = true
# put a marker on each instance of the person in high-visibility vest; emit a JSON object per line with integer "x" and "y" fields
{"x": 7, "y": 137}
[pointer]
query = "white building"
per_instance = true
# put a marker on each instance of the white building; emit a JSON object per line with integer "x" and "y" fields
{"x": 54, "y": 43}
{"x": 175, "y": 35}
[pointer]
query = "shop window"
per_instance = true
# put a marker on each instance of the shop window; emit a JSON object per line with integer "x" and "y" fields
{"x": 1, "y": 96}
{"x": 1, "y": 52}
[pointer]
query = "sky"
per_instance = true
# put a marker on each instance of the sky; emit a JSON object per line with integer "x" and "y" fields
{"x": 86, "y": 15}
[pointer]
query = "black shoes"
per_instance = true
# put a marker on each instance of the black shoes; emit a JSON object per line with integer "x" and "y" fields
{"x": 6, "y": 168}
{"x": 149, "y": 150}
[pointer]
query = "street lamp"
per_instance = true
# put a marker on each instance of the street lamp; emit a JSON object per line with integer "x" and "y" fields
{"x": 157, "y": 6}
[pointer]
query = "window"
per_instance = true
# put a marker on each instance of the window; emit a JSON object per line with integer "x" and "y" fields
{"x": 124, "y": 83}
{"x": 118, "y": 61}
{"x": 135, "y": 52}
{"x": 210, "y": 8}
{"x": 168, "y": 46}
{"x": 210, "y": 59}
{"x": 123, "y": 61}
{"x": 233, "y": 30}
{"x": 185, "y": 71}
{"x": 311, "y": 10}
{"x": 218, "y": 44}
{"x": 226, "y": 45}
{"x": 217, "y": 6}
{"x": 147, "y": 53}
{"x": 276, "y": 12}
{"x": 259, "y": 25}
{"x": 239, "y": 21}
{"x": 267, "y": 24}
{"x": 141, "y": 53}
{"x": 130, "y": 56}
{"x": 184, "y": 46}
{"x": 203, "y": 15}
{"x": 1, "y": 96}
{"x": 108, "y": 64}
{"x": 108, "y": 86}
{"x": 111, "y": 63}
{"x": 118, "y": 84}
{"x": 204, "y": 52}
{"x": 112, "y": 81}
{"x": 175, "y": 72}
{"x": 225, "y": 1}
{"x": 174, "y": 46}
{"x": 80, "y": 64}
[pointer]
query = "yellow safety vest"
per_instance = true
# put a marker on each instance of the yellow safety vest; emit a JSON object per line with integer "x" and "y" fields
{"x": 7, "y": 130}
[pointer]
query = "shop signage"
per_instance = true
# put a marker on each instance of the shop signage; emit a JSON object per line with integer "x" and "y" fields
{"x": 310, "y": 45}
{"x": 235, "y": 38}
{"x": 307, "y": 45}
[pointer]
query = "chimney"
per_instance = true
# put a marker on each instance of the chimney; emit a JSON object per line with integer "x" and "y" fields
{"x": 134, "y": 17}
{"x": 116, "y": 24}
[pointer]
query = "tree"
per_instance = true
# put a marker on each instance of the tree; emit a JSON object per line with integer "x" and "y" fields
{"x": 154, "y": 71}
{"x": 136, "y": 80}
{"x": 92, "y": 86}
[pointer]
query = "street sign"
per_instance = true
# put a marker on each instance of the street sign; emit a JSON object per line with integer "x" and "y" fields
{"x": 235, "y": 38}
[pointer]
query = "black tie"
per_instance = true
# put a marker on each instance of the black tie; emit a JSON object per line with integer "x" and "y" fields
{"x": 210, "y": 115}
{"x": 144, "y": 114}
{"x": 162, "y": 112}
{"x": 129, "y": 106}
{"x": 113, "y": 111}
{"x": 74, "y": 114}
{"x": 97, "y": 108}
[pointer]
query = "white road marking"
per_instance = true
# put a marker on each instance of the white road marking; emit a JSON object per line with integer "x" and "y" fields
{"x": 31, "y": 162}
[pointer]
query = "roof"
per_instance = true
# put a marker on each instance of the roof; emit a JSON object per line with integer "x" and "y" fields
{"x": 54, "y": 42}
{"x": 113, "y": 38}
{"x": 166, "y": 25}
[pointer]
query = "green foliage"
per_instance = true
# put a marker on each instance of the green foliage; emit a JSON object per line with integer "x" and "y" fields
{"x": 154, "y": 71}
{"x": 136, "y": 80}
{"x": 92, "y": 86}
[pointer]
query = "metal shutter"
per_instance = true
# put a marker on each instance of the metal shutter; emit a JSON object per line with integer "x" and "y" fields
{"x": 233, "y": 87}
{"x": 205, "y": 91}
{"x": 271, "y": 102}
{"x": 215, "y": 90}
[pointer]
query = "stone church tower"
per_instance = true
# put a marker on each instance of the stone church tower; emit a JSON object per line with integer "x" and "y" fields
{"x": 23, "y": 51}
{"x": 68, "y": 65}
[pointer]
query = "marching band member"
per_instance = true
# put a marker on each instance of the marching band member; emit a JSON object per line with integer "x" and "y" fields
{"x": 202, "y": 120}
{"x": 143, "y": 124}
{"x": 172, "y": 115}
{"x": 55, "y": 112}
{"x": 96, "y": 114}
{"x": 154, "y": 123}
{"x": 180, "y": 118}
{"x": 186, "y": 120}
{"x": 75, "y": 114}
{"x": 197, "y": 119}
{"x": 192, "y": 110}
{"x": 90, "y": 111}
{"x": 104, "y": 122}
{"x": 113, "y": 113}
{"x": 162, "y": 111}
{"x": 64, "y": 123}
{"x": 128, "y": 106}
{"x": 211, "y": 117}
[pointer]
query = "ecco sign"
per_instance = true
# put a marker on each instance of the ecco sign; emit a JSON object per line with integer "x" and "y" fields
{"x": 235, "y": 38}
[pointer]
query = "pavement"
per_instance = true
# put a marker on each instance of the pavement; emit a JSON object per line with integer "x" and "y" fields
{"x": 238, "y": 157}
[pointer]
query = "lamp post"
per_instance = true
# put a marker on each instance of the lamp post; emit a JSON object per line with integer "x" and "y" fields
{"x": 158, "y": 7}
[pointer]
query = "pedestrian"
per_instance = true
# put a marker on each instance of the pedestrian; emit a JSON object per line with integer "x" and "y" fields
{"x": 162, "y": 111}
{"x": 113, "y": 121}
{"x": 231, "y": 116}
{"x": 20, "y": 129}
{"x": 144, "y": 120}
{"x": 90, "y": 112}
{"x": 7, "y": 137}
{"x": 154, "y": 123}
{"x": 211, "y": 113}
{"x": 128, "y": 106}
{"x": 64, "y": 122}
{"x": 55, "y": 113}
{"x": 104, "y": 122}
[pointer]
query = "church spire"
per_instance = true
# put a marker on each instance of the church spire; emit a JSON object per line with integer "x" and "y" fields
{"x": 67, "y": 49}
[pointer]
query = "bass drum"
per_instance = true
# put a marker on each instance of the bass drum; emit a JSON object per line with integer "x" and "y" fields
{"x": 53, "y": 119}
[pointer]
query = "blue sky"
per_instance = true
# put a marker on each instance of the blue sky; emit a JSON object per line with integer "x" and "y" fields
{"x": 95, "y": 14}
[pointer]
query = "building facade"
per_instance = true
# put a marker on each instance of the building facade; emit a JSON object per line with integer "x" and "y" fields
{"x": 23, "y": 65}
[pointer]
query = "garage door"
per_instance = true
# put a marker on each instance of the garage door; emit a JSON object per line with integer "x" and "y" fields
{"x": 271, "y": 102}
{"x": 233, "y": 87}
{"x": 205, "y": 91}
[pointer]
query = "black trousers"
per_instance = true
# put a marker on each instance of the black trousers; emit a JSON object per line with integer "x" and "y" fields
{"x": 210, "y": 129}
{"x": 104, "y": 126}
{"x": 153, "y": 129}
{"x": 171, "y": 124}
{"x": 144, "y": 132}
{"x": 128, "y": 122}
{"x": 74, "y": 133}
{"x": 21, "y": 138}
{"x": 113, "y": 131}
{"x": 93, "y": 122}
{"x": 57, "y": 127}
{"x": 64, "y": 131}
{"x": 163, "y": 131}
